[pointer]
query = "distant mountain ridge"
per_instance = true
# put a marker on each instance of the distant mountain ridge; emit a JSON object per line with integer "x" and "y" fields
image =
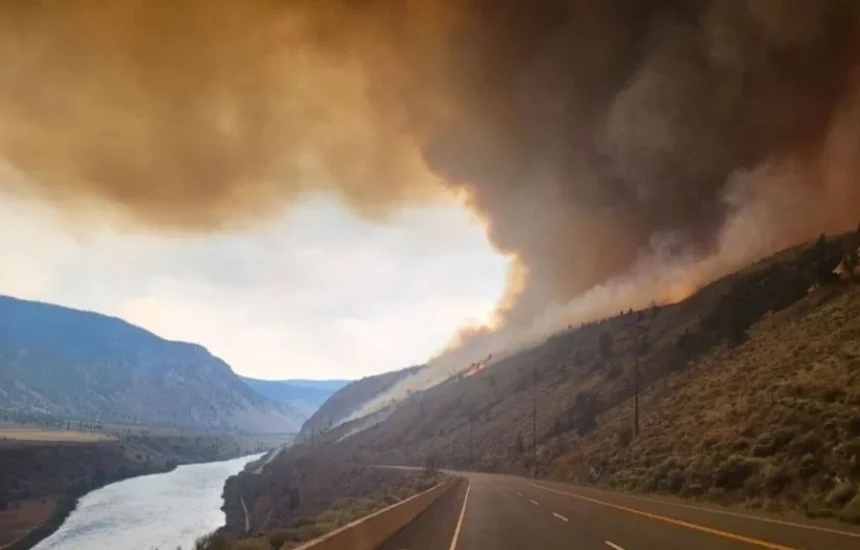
{"x": 306, "y": 396}
{"x": 332, "y": 385}
{"x": 72, "y": 364}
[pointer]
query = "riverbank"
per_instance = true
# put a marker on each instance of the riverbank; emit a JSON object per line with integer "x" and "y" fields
{"x": 41, "y": 482}
{"x": 298, "y": 494}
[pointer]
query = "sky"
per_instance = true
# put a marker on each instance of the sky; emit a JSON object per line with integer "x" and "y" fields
{"x": 316, "y": 293}
{"x": 594, "y": 140}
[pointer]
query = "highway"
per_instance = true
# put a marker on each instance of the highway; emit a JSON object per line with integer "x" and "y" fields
{"x": 494, "y": 512}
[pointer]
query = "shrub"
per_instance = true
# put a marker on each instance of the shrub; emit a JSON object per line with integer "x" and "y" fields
{"x": 852, "y": 426}
{"x": 213, "y": 541}
{"x": 815, "y": 508}
{"x": 303, "y": 521}
{"x": 278, "y": 537}
{"x": 604, "y": 344}
{"x": 765, "y": 445}
{"x": 625, "y": 436}
{"x": 330, "y": 516}
{"x": 733, "y": 473}
{"x": 584, "y": 412}
{"x": 841, "y": 495}
{"x": 718, "y": 494}
{"x": 774, "y": 479}
{"x": 804, "y": 445}
{"x": 431, "y": 465}
{"x": 614, "y": 371}
{"x": 851, "y": 512}
{"x": 808, "y": 465}
{"x": 672, "y": 482}
{"x": 310, "y": 532}
{"x": 519, "y": 446}
{"x": 259, "y": 543}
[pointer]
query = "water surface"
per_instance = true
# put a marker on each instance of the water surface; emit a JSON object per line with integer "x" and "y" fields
{"x": 159, "y": 511}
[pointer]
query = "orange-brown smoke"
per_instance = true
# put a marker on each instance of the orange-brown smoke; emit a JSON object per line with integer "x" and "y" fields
{"x": 195, "y": 114}
{"x": 594, "y": 136}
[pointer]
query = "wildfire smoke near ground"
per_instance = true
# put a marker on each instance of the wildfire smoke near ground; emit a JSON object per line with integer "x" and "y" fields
{"x": 621, "y": 151}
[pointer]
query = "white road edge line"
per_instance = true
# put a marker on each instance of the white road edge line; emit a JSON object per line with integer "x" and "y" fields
{"x": 534, "y": 502}
{"x": 561, "y": 517}
{"x": 460, "y": 521}
{"x": 613, "y": 546}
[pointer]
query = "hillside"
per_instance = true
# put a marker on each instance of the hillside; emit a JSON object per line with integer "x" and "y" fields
{"x": 350, "y": 398}
{"x": 305, "y": 396}
{"x": 60, "y": 363}
{"x": 750, "y": 395}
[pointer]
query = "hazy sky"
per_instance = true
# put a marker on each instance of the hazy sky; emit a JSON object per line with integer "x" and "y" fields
{"x": 317, "y": 293}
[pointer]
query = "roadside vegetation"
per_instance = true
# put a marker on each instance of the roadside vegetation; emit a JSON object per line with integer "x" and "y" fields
{"x": 327, "y": 507}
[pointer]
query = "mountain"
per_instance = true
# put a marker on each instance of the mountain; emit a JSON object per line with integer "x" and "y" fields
{"x": 350, "y": 398}
{"x": 749, "y": 395}
{"x": 57, "y": 362}
{"x": 306, "y": 396}
{"x": 332, "y": 385}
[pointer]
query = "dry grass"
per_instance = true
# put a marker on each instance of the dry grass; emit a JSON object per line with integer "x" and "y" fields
{"x": 773, "y": 423}
{"x": 18, "y": 517}
{"x": 52, "y": 436}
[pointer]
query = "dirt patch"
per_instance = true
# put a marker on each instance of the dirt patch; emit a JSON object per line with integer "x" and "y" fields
{"x": 18, "y": 517}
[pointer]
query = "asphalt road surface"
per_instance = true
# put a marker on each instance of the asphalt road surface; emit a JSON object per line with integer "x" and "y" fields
{"x": 493, "y": 512}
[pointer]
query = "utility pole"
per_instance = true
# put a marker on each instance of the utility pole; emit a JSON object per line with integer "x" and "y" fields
{"x": 636, "y": 390}
{"x": 469, "y": 459}
{"x": 471, "y": 415}
{"x": 643, "y": 330}
{"x": 534, "y": 422}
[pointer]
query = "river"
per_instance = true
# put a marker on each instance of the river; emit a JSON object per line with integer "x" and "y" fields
{"x": 159, "y": 511}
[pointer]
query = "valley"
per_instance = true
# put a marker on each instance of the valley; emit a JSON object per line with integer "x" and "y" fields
{"x": 430, "y": 275}
{"x": 743, "y": 395}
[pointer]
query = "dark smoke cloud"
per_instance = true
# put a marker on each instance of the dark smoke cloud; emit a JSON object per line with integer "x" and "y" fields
{"x": 582, "y": 131}
{"x": 624, "y": 120}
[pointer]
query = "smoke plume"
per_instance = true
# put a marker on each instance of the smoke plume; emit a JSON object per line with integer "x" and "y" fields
{"x": 620, "y": 150}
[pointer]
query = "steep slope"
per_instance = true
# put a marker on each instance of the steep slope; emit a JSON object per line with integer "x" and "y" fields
{"x": 750, "y": 393}
{"x": 350, "y": 398}
{"x": 774, "y": 421}
{"x": 305, "y": 396}
{"x": 57, "y": 362}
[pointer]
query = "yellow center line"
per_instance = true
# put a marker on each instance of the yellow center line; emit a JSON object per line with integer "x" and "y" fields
{"x": 745, "y": 516}
{"x": 688, "y": 525}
